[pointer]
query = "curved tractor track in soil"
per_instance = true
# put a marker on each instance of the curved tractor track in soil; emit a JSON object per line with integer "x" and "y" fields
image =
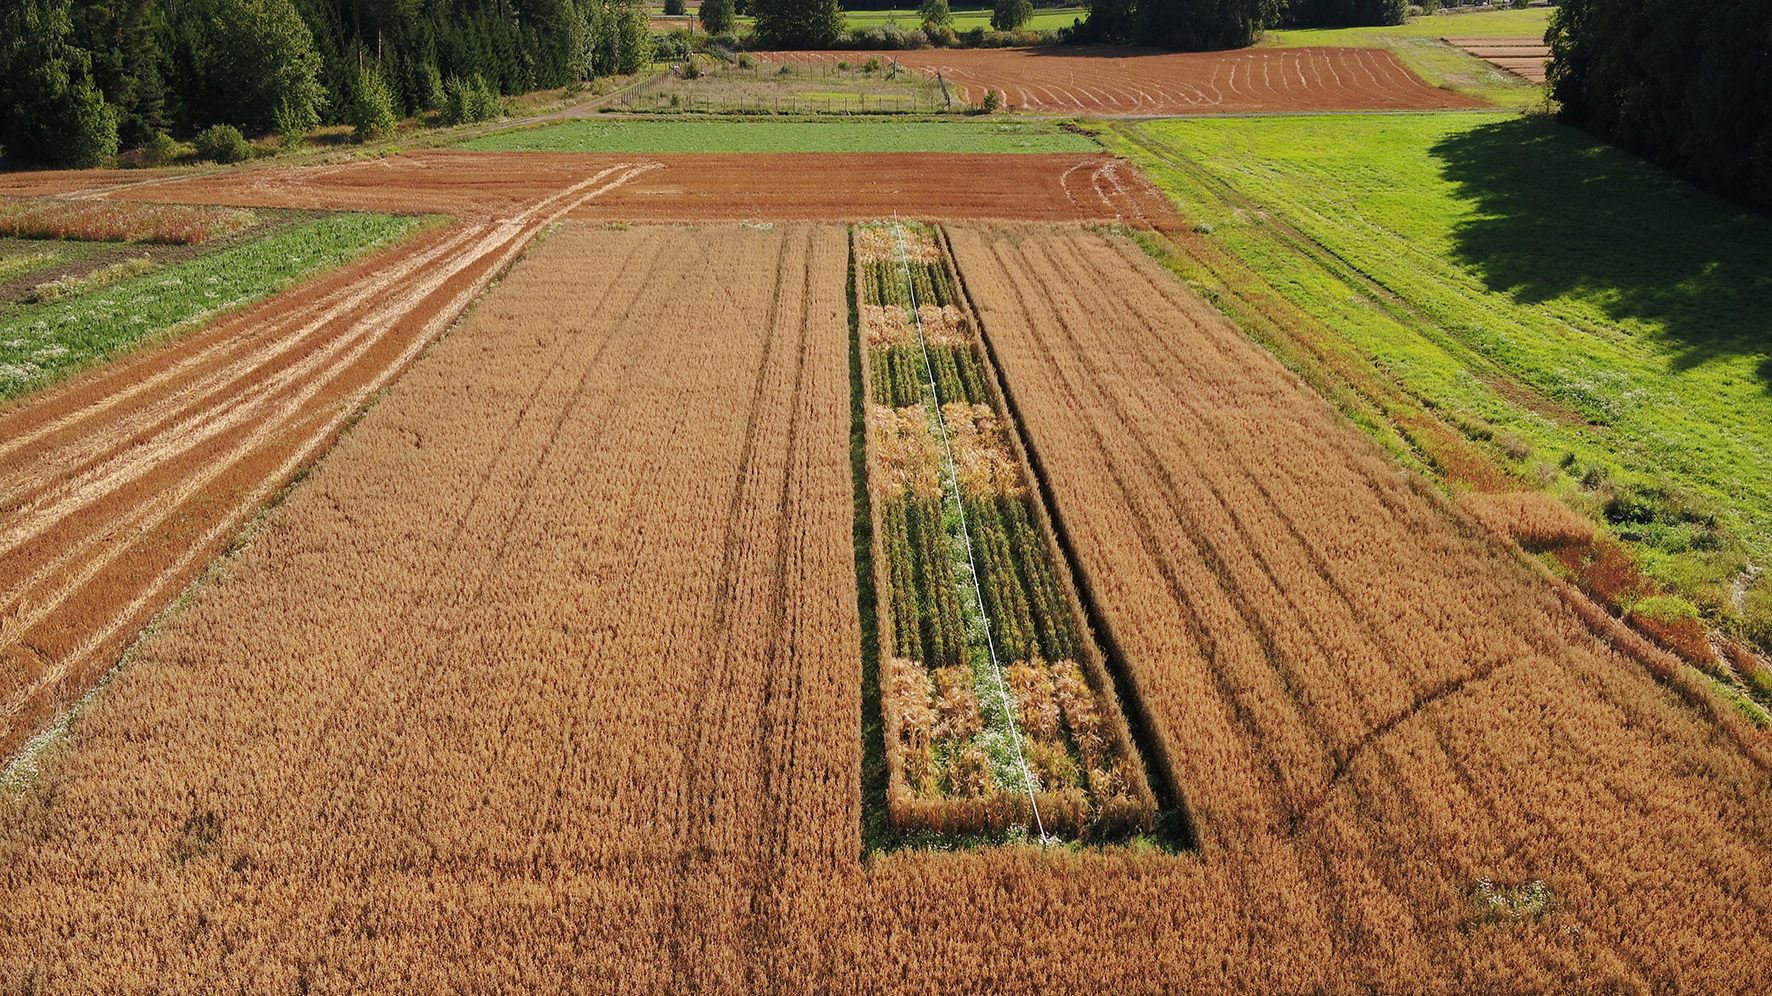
{"x": 1133, "y": 82}
{"x": 118, "y": 488}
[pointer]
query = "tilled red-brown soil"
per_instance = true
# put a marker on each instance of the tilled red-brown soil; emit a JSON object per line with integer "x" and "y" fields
{"x": 682, "y": 187}
{"x": 118, "y": 487}
{"x": 858, "y": 186}
{"x": 1130, "y": 81}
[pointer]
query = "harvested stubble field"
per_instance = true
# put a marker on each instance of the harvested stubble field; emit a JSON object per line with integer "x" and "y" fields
{"x": 1121, "y": 81}
{"x": 549, "y": 676}
{"x": 681, "y": 187}
{"x": 120, "y": 486}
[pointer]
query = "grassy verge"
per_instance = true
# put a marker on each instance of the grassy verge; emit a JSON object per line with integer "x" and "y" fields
{"x": 1417, "y": 45}
{"x": 1589, "y": 325}
{"x": 659, "y": 137}
{"x": 40, "y": 344}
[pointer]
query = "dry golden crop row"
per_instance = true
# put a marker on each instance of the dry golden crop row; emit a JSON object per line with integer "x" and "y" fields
{"x": 568, "y": 619}
{"x": 1342, "y": 669}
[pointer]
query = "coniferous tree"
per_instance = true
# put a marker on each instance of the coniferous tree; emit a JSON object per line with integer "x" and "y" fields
{"x": 1684, "y": 84}
{"x": 51, "y": 108}
{"x": 121, "y": 37}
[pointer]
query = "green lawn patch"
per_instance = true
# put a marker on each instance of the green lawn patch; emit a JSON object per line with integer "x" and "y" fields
{"x": 42, "y": 343}
{"x": 1596, "y": 325}
{"x": 659, "y": 137}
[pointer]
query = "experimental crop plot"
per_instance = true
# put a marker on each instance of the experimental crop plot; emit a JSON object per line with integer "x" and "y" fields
{"x": 998, "y": 709}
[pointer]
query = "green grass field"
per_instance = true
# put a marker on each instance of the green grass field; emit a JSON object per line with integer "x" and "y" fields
{"x": 659, "y": 137}
{"x": 1601, "y": 325}
{"x": 41, "y": 343}
{"x": 1417, "y": 44}
{"x": 965, "y": 19}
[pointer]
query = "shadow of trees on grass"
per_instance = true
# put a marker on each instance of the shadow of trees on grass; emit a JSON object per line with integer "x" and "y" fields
{"x": 1558, "y": 212}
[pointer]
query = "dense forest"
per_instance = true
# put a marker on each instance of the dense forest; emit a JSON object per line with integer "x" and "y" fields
{"x": 1684, "y": 83}
{"x": 80, "y": 79}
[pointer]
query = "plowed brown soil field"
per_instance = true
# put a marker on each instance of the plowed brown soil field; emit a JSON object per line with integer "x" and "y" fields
{"x": 783, "y": 187}
{"x": 118, "y": 487}
{"x": 1130, "y": 81}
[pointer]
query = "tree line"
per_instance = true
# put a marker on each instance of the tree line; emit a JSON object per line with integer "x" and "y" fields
{"x": 80, "y": 79}
{"x": 1684, "y": 83}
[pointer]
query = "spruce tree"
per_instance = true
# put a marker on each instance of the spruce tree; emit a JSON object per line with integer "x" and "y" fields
{"x": 51, "y": 110}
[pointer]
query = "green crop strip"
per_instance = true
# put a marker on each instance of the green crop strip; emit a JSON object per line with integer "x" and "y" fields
{"x": 44, "y": 343}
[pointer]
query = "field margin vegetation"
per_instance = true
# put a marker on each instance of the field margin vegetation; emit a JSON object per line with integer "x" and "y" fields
{"x": 43, "y": 343}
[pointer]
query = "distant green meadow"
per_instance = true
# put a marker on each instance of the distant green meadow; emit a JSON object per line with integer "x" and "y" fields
{"x": 661, "y": 137}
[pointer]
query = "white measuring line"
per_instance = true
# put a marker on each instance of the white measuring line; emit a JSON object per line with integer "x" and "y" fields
{"x": 904, "y": 259}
